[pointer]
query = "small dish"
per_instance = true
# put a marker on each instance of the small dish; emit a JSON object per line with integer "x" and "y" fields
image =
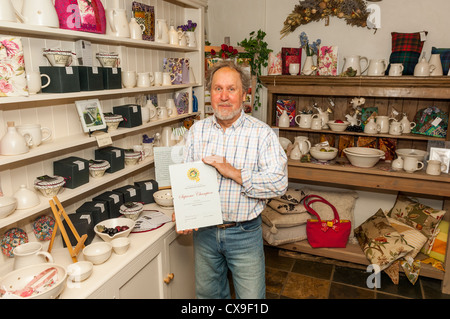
{"x": 97, "y": 253}
{"x": 164, "y": 197}
{"x": 102, "y": 227}
{"x": 80, "y": 270}
{"x": 120, "y": 245}
{"x": 97, "y": 168}
{"x": 131, "y": 210}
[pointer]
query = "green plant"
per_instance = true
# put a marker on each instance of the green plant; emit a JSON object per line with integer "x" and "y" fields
{"x": 257, "y": 50}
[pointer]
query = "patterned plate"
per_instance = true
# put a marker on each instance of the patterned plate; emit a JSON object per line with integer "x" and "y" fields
{"x": 43, "y": 227}
{"x": 11, "y": 239}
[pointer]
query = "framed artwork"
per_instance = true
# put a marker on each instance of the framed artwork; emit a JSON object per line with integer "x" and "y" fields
{"x": 145, "y": 15}
{"x": 91, "y": 115}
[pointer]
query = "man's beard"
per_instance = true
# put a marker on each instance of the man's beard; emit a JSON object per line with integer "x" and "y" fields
{"x": 227, "y": 116}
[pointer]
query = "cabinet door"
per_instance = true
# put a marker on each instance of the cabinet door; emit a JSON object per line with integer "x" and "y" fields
{"x": 180, "y": 259}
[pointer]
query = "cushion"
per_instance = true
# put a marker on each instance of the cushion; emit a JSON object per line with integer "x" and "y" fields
{"x": 285, "y": 208}
{"x": 276, "y": 220}
{"x": 445, "y": 58}
{"x": 412, "y": 236}
{"x": 406, "y": 49}
{"x": 417, "y": 215}
{"x": 380, "y": 242}
{"x": 284, "y": 235}
{"x": 292, "y": 196}
{"x": 438, "y": 248}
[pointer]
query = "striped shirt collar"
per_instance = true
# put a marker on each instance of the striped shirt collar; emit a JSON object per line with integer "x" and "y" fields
{"x": 236, "y": 124}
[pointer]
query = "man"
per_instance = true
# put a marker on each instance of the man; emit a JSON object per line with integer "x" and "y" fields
{"x": 252, "y": 166}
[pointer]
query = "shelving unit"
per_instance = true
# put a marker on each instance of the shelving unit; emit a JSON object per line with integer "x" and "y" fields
{"x": 406, "y": 94}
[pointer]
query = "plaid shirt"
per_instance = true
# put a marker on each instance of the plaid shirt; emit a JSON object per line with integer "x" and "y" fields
{"x": 249, "y": 145}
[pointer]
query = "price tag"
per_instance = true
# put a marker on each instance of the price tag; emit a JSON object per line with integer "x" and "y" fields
{"x": 103, "y": 139}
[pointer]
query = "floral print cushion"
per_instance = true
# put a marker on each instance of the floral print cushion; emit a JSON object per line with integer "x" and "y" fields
{"x": 12, "y": 68}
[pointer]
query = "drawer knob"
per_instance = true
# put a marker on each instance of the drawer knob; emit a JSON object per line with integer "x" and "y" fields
{"x": 169, "y": 278}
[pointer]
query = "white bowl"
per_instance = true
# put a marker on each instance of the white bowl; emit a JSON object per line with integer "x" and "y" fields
{"x": 131, "y": 210}
{"x": 8, "y": 205}
{"x": 26, "y": 198}
{"x": 338, "y": 127}
{"x": 323, "y": 156}
{"x": 120, "y": 245}
{"x": 19, "y": 278}
{"x": 80, "y": 270}
{"x": 97, "y": 253}
{"x": 112, "y": 223}
{"x": 410, "y": 152}
{"x": 285, "y": 142}
{"x": 364, "y": 151}
{"x": 164, "y": 197}
{"x": 363, "y": 160}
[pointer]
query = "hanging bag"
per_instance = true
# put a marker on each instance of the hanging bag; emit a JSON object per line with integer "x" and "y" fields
{"x": 326, "y": 233}
{"x": 81, "y": 15}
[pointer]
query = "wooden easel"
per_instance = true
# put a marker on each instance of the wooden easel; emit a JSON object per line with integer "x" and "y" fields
{"x": 58, "y": 210}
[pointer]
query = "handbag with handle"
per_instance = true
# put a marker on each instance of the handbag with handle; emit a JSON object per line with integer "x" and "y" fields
{"x": 326, "y": 233}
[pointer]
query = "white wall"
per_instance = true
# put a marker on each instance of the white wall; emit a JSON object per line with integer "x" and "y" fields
{"x": 237, "y": 18}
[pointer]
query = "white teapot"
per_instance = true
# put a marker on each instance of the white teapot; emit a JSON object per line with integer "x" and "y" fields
{"x": 284, "y": 120}
{"x": 406, "y": 124}
{"x": 423, "y": 68}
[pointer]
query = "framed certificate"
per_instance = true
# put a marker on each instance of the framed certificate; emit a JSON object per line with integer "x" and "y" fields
{"x": 91, "y": 115}
{"x": 196, "y": 198}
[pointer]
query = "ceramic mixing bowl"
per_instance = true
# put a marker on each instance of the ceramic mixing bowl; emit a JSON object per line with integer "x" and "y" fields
{"x": 164, "y": 197}
{"x": 102, "y": 228}
{"x": 8, "y": 205}
{"x": 323, "y": 153}
{"x": 410, "y": 152}
{"x": 364, "y": 158}
{"x": 338, "y": 127}
{"x": 80, "y": 270}
{"x": 120, "y": 245}
{"x": 97, "y": 253}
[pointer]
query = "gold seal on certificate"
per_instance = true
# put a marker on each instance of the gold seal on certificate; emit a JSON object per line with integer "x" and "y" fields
{"x": 196, "y": 198}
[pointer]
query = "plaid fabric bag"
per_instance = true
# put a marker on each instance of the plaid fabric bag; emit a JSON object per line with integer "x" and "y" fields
{"x": 445, "y": 58}
{"x": 406, "y": 49}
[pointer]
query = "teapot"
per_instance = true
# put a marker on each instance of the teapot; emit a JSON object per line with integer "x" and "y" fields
{"x": 371, "y": 127}
{"x": 39, "y": 12}
{"x": 162, "y": 31}
{"x": 423, "y": 68}
{"x": 377, "y": 67}
{"x": 118, "y": 23}
{"x": 8, "y": 12}
{"x": 303, "y": 143}
{"x": 30, "y": 254}
{"x": 406, "y": 124}
{"x": 395, "y": 128}
{"x": 354, "y": 61}
{"x": 284, "y": 120}
{"x": 13, "y": 143}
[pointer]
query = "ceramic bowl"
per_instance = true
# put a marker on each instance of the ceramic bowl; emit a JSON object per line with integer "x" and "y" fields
{"x": 59, "y": 58}
{"x": 97, "y": 253}
{"x": 80, "y": 270}
{"x": 323, "y": 153}
{"x": 8, "y": 205}
{"x": 113, "y": 223}
{"x": 410, "y": 152}
{"x": 364, "y": 151}
{"x": 363, "y": 159}
{"x": 26, "y": 198}
{"x": 120, "y": 245}
{"x": 97, "y": 168}
{"x": 19, "y": 278}
{"x": 132, "y": 158}
{"x": 112, "y": 120}
{"x": 50, "y": 186}
{"x": 131, "y": 210}
{"x": 164, "y": 197}
{"x": 338, "y": 127}
{"x": 108, "y": 60}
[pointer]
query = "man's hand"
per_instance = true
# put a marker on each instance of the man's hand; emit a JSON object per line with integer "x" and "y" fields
{"x": 182, "y": 232}
{"x": 224, "y": 168}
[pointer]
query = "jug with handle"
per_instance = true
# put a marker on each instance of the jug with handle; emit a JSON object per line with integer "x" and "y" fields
{"x": 377, "y": 67}
{"x": 354, "y": 61}
{"x": 136, "y": 29}
{"x": 284, "y": 120}
{"x": 162, "y": 31}
{"x": 406, "y": 124}
{"x": 8, "y": 12}
{"x": 39, "y": 12}
{"x": 173, "y": 36}
{"x": 303, "y": 143}
{"x": 30, "y": 254}
{"x": 118, "y": 23}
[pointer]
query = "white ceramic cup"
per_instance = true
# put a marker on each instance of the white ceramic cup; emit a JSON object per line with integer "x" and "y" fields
{"x": 383, "y": 122}
{"x": 395, "y": 128}
{"x": 144, "y": 80}
{"x": 294, "y": 68}
{"x": 316, "y": 124}
{"x": 158, "y": 78}
{"x": 396, "y": 69}
{"x": 34, "y": 82}
{"x": 435, "y": 167}
{"x": 129, "y": 79}
{"x": 412, "y": 164}
{"x": 163, "y": 112}
{"x": 166, "y": 78}
{"x": 37, "y": 133}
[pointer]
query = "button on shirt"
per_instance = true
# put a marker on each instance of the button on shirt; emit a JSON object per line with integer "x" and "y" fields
{"x": 249, "y": 145}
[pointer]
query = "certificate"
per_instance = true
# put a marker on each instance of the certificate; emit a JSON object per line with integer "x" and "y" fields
{"x": 196, "y": 198}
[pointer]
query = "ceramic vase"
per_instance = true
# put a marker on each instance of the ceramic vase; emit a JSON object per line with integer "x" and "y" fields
{"x": 308, "y": 66}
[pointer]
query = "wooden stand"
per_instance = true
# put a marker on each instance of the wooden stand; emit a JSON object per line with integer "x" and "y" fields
{"x": 58, "y": 210}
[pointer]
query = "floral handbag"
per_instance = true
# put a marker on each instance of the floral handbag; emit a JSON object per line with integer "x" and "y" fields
{"x": 81, "y": 15}
{"x": 12, "y": 68}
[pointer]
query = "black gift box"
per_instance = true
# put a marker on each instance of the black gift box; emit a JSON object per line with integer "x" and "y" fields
{"x": 74, "y": 169}
{"x": 130, "y": 193}
{"x": 97, "y": 210}
{"x": 62, "y": 79}
{"x": 91, "y": 78}
{"x": 146, "y": 189}
{"x": 84, "y": 224}
{"x": 112, "y": 78}
{"x": 113, "y": 202}
{"x": 131, "y": 114}
{"x": 114, "y": 155}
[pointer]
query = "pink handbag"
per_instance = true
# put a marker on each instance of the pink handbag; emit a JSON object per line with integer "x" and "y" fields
{"x": 81, "y": 15}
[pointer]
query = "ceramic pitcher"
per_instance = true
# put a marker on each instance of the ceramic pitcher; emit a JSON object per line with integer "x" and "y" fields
{"x": 406, "y": 124}
{"x": 173, "y": 36}
{"x": 118, "y": 23}
{"x": 354, "y": 61}
{"x": 162, "y": 31}
{"x": 303, "y": 143}
{"x": 39, "y": 12}
{"x": 8, "y": 12}
{"x": 284, "y": 120}
{"x": 436, "y": 61}
{"x": 377, "y": 67}
{"x": 30, "y": 254}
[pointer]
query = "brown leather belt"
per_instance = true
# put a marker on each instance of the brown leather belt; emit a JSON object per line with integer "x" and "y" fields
{"x": 225, "y": 226}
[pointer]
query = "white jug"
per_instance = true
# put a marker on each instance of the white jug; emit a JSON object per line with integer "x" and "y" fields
{"x": 383, "y": 122}
{"x": 171, "y": 108}
{"x": 30, "y": 254}
{"x": 407, "y": 125}
{"x": 436, "y": 61}
{"x": 173, "y": 36}
{"x": 118, "y": 23}
{"x": 8, "y": 12}
{"x": 39, "y": 12}
{"x": 151, "y": 110}
{"x": 377, "y": 67}
{"x": 395, "y": 128}
{"x": 303, "y": 143}
{"x": 371, "y": 127}
{"x": 423, "y": 68}
{"x": 354, "y": 61}
{"x": 136, "y": 29}
{"x": 284, "y": 120}
{"x": 167, "y": 137}
{"x": 192, "y": 40}
{"x": 162, "y": 31}
{"x": 182, "y": 41}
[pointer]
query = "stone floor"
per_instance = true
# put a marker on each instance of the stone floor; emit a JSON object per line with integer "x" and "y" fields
{"x": 292, "y": 275}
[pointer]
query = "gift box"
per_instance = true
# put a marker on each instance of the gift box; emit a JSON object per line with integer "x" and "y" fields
{"x": 178, "y": 69}
{"x": 146, "y": 189}
{"x": 131, "y": 114}
{"x": 91, "y": 78}
{"x": 97, "y": 210}
{"x": 75, "y": 171}
{"x": 328, "y": 60}
{"x": 130, "y": 193}
{"x": 83, "y": 224}
{"x": 288, "y": 56}
{"x": 114, "y": 155}
{"x": 112, "y": 201}
{"x": 62, "y": 79}
{"x": 112, "y": 78}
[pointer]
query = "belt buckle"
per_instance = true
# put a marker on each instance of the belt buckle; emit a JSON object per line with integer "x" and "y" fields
{"x": 225, "y": 226}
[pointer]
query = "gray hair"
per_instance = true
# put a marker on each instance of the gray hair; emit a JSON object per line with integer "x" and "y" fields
{"x": 245, "y": 77}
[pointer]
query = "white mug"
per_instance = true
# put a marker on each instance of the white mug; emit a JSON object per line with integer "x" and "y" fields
{"x": 395, "y": 128}
{"x": 37, "y": 133}
{"x": 144, "y": 79}
{"x": 412, "y": 164}
{"x": 34, "y": 82}
{"x": 396, "y": 69}
{"x": 316, "y": 124}
{"x": 435, "y": 167}
{"x": 158, "y": 78}
{"x": 166, "y": 78}
{"x": 383, "y": 122}
{"x": 129, "y": 79}
{"x": 294, "y": 68}
{"x": 163, "y": 112}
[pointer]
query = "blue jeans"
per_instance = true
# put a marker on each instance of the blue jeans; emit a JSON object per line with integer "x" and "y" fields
{"x": 240, "y": 249}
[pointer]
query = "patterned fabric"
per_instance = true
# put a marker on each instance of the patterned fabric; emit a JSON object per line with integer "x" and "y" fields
{"x": 249, "y": 145}
{"x": 12, "y": 68}
{"x": 409, "y": 60}
{"x": 406, "y": 49}
{"x": 445, "y": 58}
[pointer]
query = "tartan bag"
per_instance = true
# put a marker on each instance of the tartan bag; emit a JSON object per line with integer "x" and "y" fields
{"x": 326, "y": 233}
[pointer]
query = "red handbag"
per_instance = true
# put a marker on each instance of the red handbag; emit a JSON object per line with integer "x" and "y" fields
{"x": 326, "y": 233}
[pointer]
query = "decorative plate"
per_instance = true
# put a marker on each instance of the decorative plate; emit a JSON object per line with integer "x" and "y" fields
{"x": 11, "y": 239}
{"x": 43, "y": 227}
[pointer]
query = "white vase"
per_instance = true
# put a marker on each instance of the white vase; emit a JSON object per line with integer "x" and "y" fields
{"x": 192, "y": 41}
{"x": 308, "y": 66}
{"x": 436, "y": 61}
